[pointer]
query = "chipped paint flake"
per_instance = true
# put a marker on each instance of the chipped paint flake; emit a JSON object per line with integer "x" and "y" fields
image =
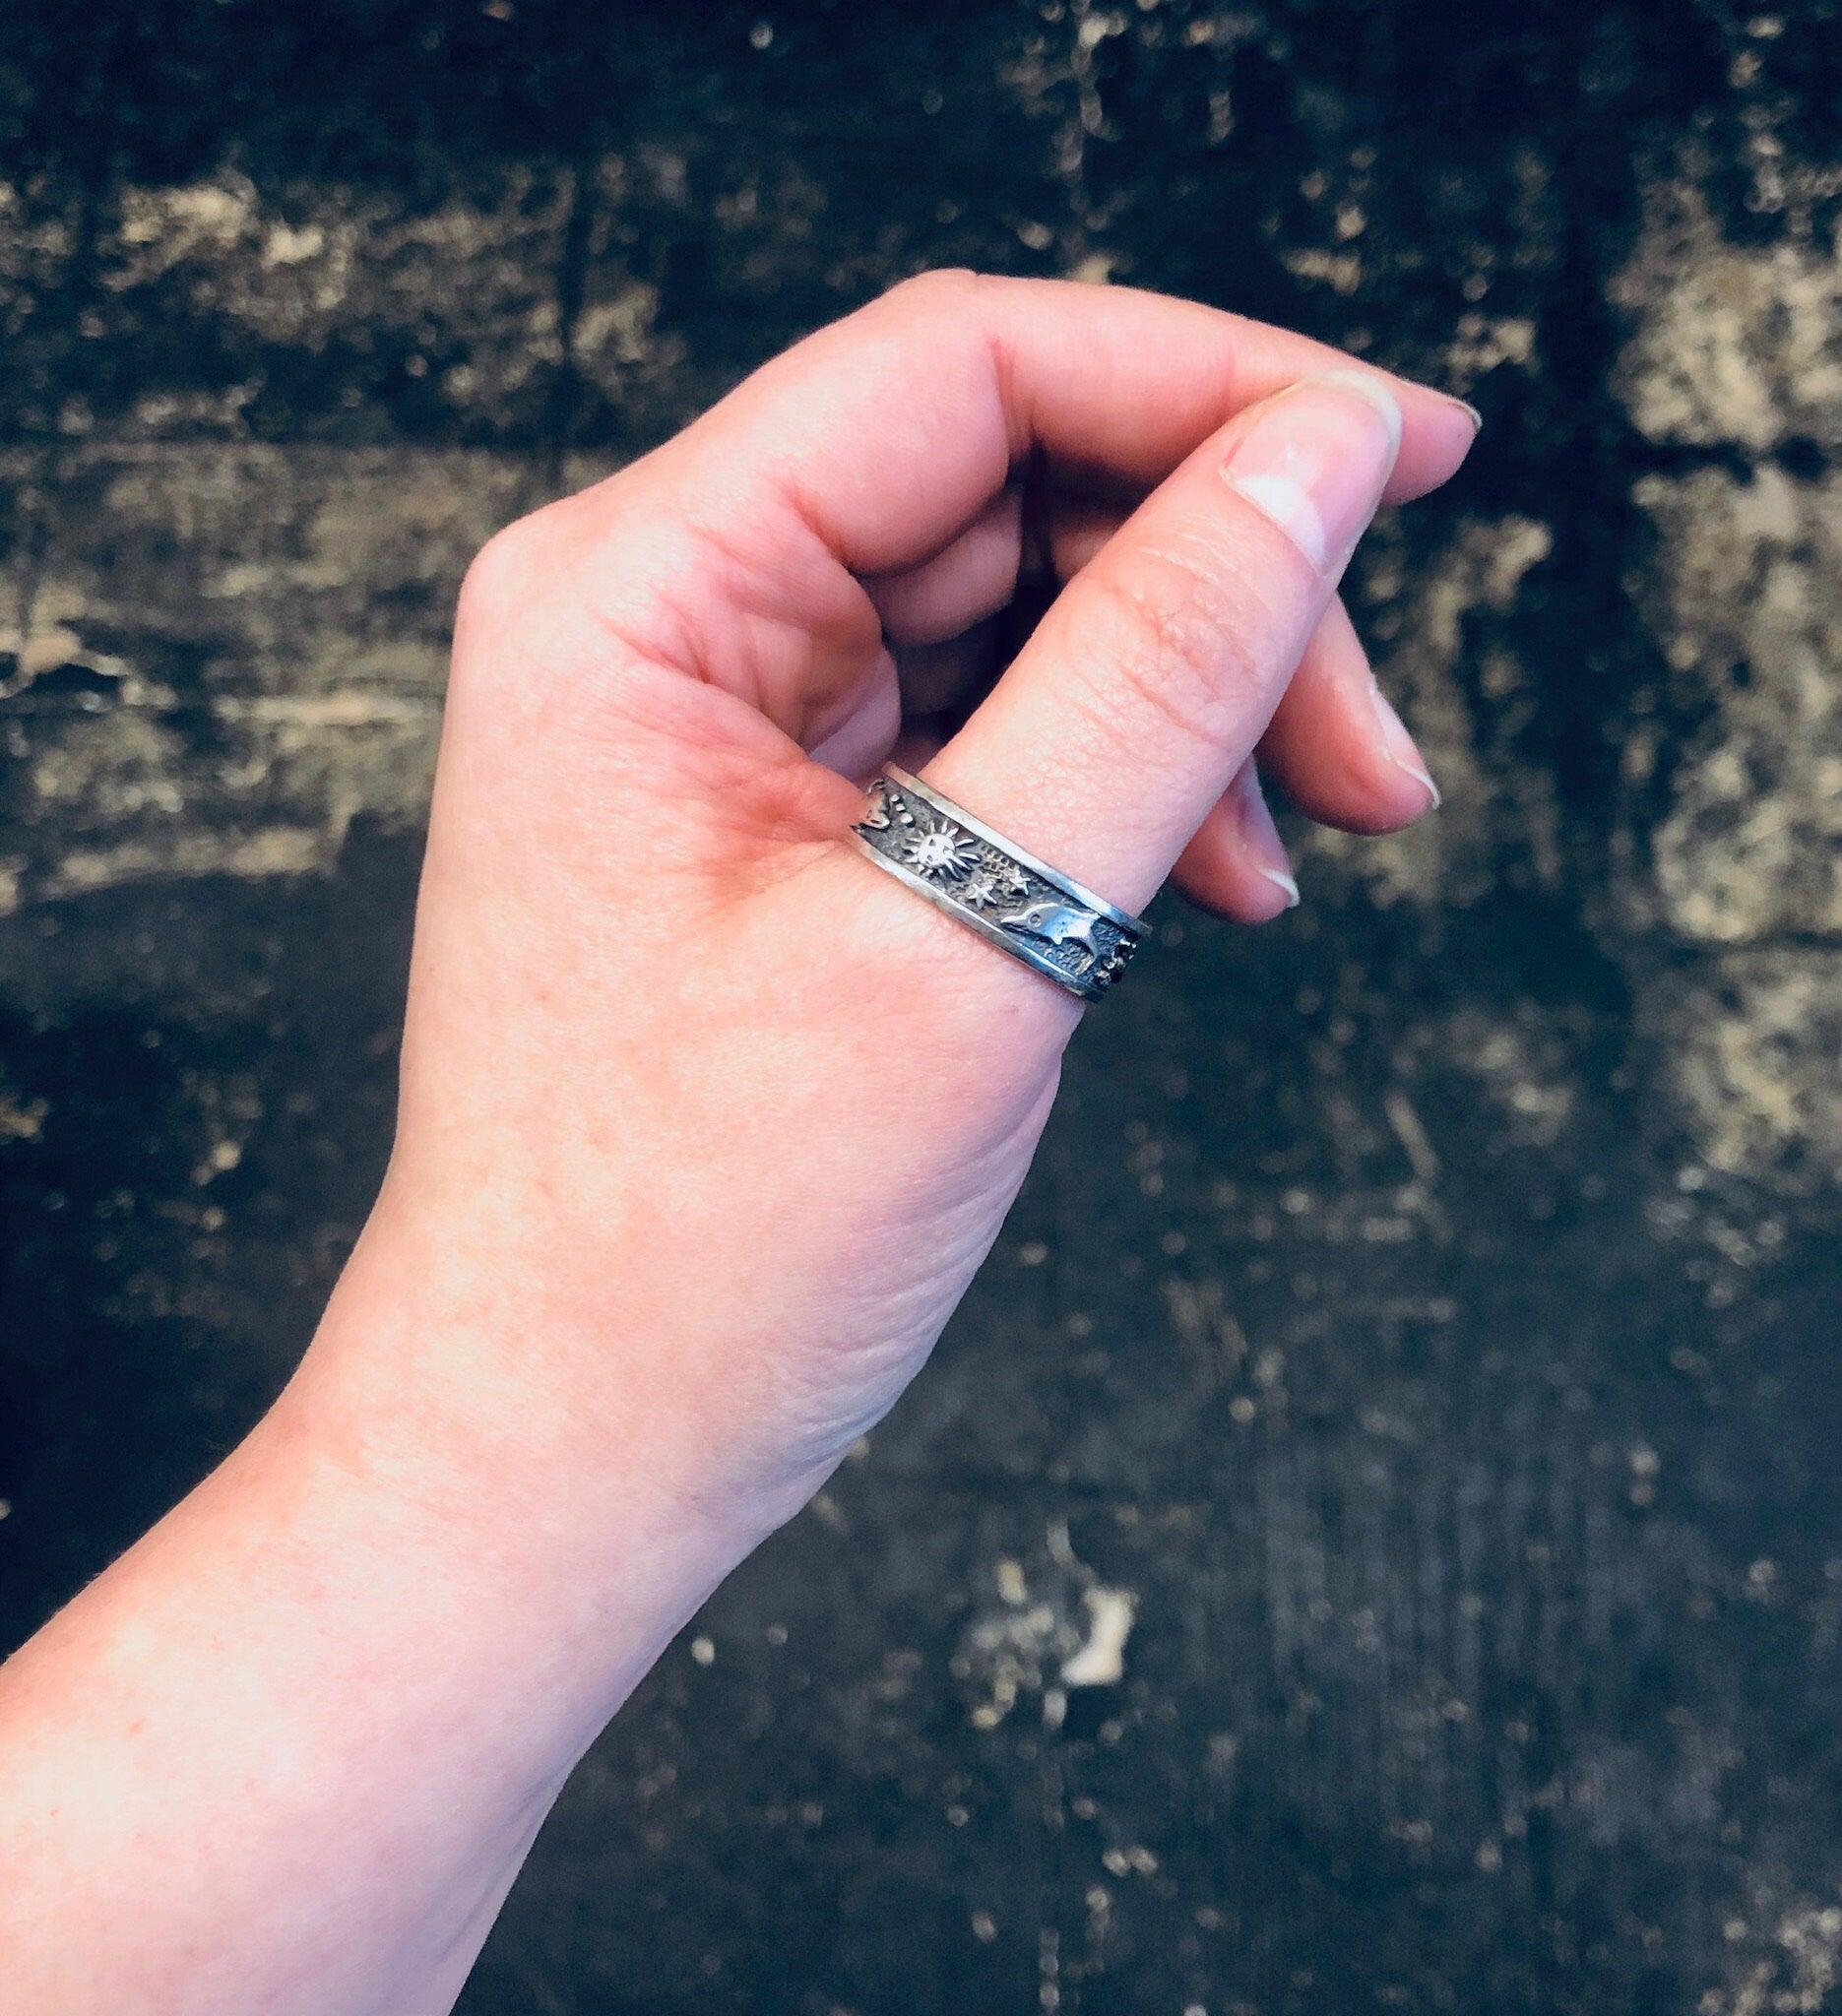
{"x": 1101, "y": 1662}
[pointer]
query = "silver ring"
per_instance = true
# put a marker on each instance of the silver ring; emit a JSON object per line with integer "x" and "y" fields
{"x": 1045, "y": 918}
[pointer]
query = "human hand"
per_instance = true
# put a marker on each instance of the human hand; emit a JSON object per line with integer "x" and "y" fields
{"x": 706, "y": 1123}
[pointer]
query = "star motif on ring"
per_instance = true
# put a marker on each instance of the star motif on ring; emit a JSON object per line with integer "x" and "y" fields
{"x": 981, "y": 889}
{"x": 941, "y": 851}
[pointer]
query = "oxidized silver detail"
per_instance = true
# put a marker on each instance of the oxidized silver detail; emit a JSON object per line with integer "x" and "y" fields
{"x": 1038, "y": 914}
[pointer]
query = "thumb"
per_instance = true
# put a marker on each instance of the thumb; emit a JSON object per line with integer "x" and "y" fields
{"x": 1154, "y": 675}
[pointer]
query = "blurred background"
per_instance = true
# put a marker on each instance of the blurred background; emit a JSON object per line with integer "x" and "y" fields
{"x": 1373, "y": 1539}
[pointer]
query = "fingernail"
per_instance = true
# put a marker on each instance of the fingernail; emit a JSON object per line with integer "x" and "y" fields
{"x": 1315, "y": 460}
{"x": 1284, "y": 884}
{"x": 1403, "y": 750}
{"x": 1470, "y": 412}
{"x": 1260, "y": 837}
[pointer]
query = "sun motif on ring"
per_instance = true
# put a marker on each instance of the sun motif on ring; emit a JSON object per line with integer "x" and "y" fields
{"x": 941, "y": 851}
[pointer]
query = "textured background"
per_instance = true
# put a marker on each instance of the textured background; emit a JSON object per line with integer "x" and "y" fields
{"x": 1421, "y": 1327}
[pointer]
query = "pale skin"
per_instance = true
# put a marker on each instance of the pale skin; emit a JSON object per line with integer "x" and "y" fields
{"x": 706, "y": 1123}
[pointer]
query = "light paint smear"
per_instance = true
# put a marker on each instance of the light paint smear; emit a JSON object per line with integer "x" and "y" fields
{"x": 1101, "y": 1662}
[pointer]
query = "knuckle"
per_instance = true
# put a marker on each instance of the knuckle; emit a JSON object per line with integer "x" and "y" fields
{"x": 544, "y": 562}
{"x": 943, "y": 290}
{"x": 1174, "y": 642}
{"x": 499, "y": 575}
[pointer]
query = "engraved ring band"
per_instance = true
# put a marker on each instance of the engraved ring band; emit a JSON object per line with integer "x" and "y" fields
{"x": 1037, "y": 914}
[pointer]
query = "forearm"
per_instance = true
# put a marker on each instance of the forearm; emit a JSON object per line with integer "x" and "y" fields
{"x": 289, "y": 1751}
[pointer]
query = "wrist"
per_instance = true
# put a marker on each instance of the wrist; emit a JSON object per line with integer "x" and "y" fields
{"x": 353, "y": 1669}
{"x": 444, "y": 1382}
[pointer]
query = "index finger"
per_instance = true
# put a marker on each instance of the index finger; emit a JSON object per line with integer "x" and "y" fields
{"x": 886, "y": 432}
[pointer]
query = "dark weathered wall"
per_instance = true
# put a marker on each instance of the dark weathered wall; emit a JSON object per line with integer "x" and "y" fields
{"x": 1421, "y": 1328}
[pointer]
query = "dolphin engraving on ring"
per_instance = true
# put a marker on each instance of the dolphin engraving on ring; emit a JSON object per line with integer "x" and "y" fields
{"x": 1057, "y": 923}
